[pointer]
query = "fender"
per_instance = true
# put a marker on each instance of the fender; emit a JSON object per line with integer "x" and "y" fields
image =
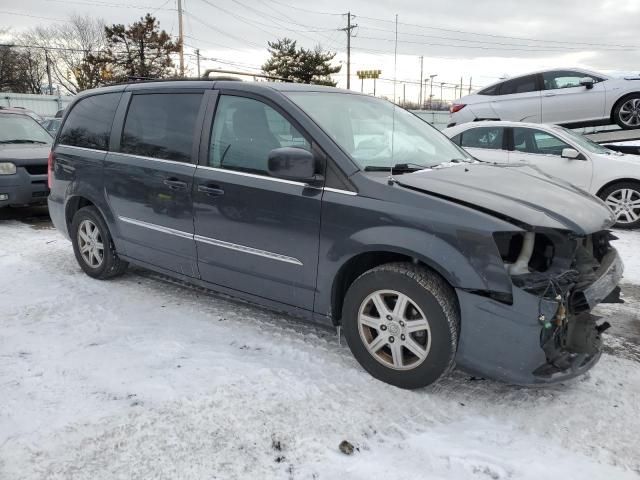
{"x": 478, "y": 269}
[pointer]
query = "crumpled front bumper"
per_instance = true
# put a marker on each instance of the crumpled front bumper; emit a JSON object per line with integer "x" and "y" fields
{"x": 504, "y": 342}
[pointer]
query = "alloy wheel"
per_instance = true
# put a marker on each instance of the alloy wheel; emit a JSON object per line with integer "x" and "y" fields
{"x": 625, "y": 204}
{"x": 394, "y": 329}
{"x": 630, "y": 112}
{"x": 90, "y": 243}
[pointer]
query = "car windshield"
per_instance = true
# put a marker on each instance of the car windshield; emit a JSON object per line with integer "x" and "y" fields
{"x": 22, "y": 129}
{"x": 377, "y": 134}
{"x": 584, "y": 142}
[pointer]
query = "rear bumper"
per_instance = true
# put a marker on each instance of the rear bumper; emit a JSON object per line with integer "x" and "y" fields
{"x": 23, "y": 188}
{"x": 505, "y": 342}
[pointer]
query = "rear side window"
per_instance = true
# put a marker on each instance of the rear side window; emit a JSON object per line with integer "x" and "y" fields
{"x": 519, "y": 85}
{"x": 483, "y": 137}
{"x": 161, "y": 125}
{"x": 490, "y": 90}
{"x": 89, "y": 122}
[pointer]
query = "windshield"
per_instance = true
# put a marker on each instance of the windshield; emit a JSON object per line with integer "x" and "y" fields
{"x": 584, "y": 142}
{"x": 376, "y": 133}
{"x": 22, "y": 129}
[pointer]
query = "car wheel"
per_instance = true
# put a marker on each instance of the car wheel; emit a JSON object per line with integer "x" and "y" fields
{"x": 627, "y": 112}
{"x": 93, "y": 246}
{"x": 624, "y": 200}
{"x": 401, "y": 323}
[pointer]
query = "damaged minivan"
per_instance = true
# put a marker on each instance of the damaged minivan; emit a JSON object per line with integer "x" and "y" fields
{"x": 342, "y": 209}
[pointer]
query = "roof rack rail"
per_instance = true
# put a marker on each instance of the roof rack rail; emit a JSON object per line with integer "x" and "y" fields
{"x": 208, "y": 71}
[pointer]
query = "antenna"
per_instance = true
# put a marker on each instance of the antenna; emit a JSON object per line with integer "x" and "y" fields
{"x": 393, "y": 103}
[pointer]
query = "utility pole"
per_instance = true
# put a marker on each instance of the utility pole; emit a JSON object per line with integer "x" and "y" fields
{"x": 431, "y": 77}
{"x": 421, "y": 74}
{"x": 460, "y": 86}
{"x": 198, "y": 60}
{"x": 348, "y": 29}
{"x": 469, "y": 85}
{"x": 48, "y": 62}
{"x": 181, "y": 38}
{"x": 404, "y": 94}
{"x": 441, "y": 99}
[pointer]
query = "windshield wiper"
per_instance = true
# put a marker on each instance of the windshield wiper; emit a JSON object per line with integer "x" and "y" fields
{"x": 397, "y": 168}
{"x": 22, "y": 140}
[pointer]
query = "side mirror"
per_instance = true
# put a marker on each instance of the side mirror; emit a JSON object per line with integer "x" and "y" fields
{"x": 570, "y": 153}
{"x": 587, "y": 82}
{"x": 293, "y": 163}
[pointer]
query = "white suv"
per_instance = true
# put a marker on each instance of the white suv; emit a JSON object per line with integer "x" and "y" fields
{"x": 569, "y": 97}
{"x": 562, "y": 153}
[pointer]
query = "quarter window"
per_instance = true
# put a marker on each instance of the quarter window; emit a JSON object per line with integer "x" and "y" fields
{"x": 483, "y": 137}
{"x": 245, "y": 131}
{"x": 527, "y": 140}
{"x": 519, "y": 85}
{"x": 161, "y": 125}
{"x": 89, "y": 122}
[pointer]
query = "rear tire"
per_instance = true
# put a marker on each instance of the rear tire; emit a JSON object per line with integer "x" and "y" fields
{"x": 410, "y": 344}
{"x": 623, "y": 199}
{"x": 626, "y": 113}
{"x": 93, "y": 245}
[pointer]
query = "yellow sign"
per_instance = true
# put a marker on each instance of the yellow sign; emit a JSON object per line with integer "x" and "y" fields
{"x": 369, "y": 74}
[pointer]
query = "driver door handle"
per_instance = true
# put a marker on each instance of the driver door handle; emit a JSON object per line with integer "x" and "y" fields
{"x": 210, "y": 189}
{"x": 549, "y": 94}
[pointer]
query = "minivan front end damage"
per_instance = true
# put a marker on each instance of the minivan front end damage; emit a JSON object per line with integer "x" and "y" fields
{"x": 545, "y": 331}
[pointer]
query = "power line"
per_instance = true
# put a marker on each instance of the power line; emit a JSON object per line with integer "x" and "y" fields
{"x": 481, "y": 41}
{"x": 498, "y": 36}
{"x": 33, "y": 16}
{"x": 111, "y": 4}
{"x": 476, "y": 47}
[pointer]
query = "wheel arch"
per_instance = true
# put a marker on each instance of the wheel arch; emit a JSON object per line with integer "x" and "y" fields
{"x": 618, "y": 101}
{"x": 364, "y": 261}
{"x": 80, "y": 199}
{"x": 610, "y": 183}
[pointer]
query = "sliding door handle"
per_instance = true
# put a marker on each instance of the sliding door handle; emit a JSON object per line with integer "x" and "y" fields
{"x": 175, "y": 184}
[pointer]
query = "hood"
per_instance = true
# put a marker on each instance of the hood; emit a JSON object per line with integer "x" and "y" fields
{"x": 24, "y": 153}
{"x": 520, "y": 194}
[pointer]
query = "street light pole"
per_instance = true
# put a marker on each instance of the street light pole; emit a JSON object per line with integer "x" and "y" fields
{"x": 431, "y": 77}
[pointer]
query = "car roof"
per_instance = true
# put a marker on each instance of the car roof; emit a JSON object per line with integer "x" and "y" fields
{"x": 570, "y": 69}
{"x": 219, "y": 84}
{"x": 451, "y": 131}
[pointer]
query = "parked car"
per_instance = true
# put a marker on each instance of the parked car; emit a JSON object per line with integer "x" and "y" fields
{"x": 23, "y": 111}
{"x": 568, "y": 97}
{"x": 52, "y": 125}
{"x": 562, "y": 153}
{"x": 344, "y": 209}
{"x": 24, "y": 149}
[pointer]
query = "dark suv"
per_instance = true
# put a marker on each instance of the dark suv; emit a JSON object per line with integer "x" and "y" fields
{"x": 343, "y": 209}
{"x": 24, "y": 149}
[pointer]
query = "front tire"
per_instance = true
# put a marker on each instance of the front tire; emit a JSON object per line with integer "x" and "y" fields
{"x": 93, "y": 245}
{"x": 623, "y": 199}
{"x": 401, "y": 323}
{"x": 627, "y": 112}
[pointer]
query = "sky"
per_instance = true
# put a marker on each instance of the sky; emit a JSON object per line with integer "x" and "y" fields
{"x": 470, "y": 41}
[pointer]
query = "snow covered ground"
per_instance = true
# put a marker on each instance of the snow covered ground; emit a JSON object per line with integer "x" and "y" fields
{"x": 141, "y": 377}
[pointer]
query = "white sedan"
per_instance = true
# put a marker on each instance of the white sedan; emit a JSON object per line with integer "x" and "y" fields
{"x": 562, "y": 153}
{"x": 569, "y": 97}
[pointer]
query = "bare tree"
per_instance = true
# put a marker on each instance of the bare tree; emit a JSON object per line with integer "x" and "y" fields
{"x": 73, "y": 49}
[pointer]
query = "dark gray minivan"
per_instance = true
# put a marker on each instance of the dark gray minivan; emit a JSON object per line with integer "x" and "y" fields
{"x": 343, "y": 209}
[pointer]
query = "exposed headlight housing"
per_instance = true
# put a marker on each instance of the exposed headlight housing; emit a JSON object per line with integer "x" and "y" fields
{"x": 7, "y": 168}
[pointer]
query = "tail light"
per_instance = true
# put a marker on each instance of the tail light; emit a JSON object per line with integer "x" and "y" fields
{"x": 456, "y": 107}
{"x": 50, "y": 162}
